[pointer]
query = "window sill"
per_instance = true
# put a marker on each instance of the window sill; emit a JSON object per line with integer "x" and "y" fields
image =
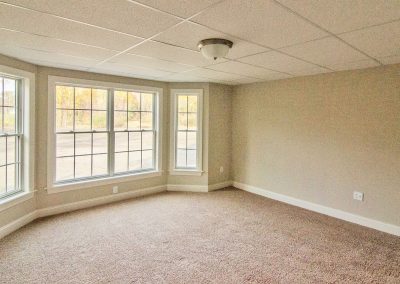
{"x": 15, "y": 199}
{"x": 57, "y": 188}
{"x": 181, "y": 172}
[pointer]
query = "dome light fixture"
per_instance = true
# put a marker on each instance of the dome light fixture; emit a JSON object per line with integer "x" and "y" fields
{"x": 213, "y": 48}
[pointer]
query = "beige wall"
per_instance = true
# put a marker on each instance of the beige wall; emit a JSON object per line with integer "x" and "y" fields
{"x": 319, "y": 138}
{"x": 220, "y": 133}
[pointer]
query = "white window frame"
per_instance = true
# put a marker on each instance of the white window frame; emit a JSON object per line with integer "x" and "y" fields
{"x": 173, "y": 170}
{"x": 27, "y": 111}
{"x": 52, "y": 185}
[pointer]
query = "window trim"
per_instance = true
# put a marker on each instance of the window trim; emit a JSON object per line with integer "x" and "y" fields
{"x": 27, "y": 118}
{"x": 198, "y": 171}
{"x": 52, "y": 186}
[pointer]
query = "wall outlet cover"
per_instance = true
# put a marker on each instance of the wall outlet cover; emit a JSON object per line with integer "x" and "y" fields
{"x": 358, "y": 195}
{"x": 115, "y": 189}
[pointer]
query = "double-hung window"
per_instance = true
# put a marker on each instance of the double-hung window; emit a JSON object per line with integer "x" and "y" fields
{"x": 103, "y": 131}
{"x": 187, "y": 131}
{"x": 10, "y": 135}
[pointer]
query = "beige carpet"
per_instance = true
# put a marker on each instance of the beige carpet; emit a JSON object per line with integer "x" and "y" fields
{"x": 227, "y": 236}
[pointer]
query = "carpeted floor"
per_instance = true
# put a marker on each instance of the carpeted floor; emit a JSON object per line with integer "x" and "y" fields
{"x": 227, "y": 236}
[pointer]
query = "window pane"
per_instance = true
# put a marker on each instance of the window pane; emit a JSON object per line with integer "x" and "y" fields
{"x": 182, "y": 103}
{"x": 182, "y": 121}
{"x": 147, "y": 120}
{"x": 121, "y": 162}
{"x": 83, "y": 166}
{"x": 83, "y": 144}
{"x": 64, "y": 120}
{"x": 9, "y": 119}
{"x": 11, "y": 173}
{"x": 99, "y": 120}
{"x": 64, "y": 145}
{"x": 147, "y": 157}
{"x": 181, "y": 158}
{"x": 99, "y": 99}
{"x": 64, "y": 168}
{"x": 134, "y": 120}
{"x": 192, "y": 103}
{"x": 133, "y": 101}
{"x": 121, "y": 141}
{"x": 2, "y": 180}
{"x": 100, "y": 143}
{"x": 120, "y": 100}
{"x": 83, "y": 120}
{"x": 147, "y": 140}
{"x": 9, "y": 92}
{"x": 120, "y": 122}
{"x": 181, "y": 143}
{"x": 191, "y": 137}
{"x": 192, "y": 121}
{"x": 135, "y": 161}
{"x": 147, "y": 102}
{"x": 83, "y": 98}
{"x": 134, "y": 141}
{"x": 64, "y": 97}
{"x": 100, "y": 165}
{"x": 191, "y": 158}
{"x": 11, "y": 151}
{"x": 2, "y": 151}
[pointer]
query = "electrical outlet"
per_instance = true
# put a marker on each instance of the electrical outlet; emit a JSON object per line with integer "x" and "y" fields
{"x": 115, "y": 189}
{"x": 358, "y": 195}
{"x": 221, "y": 169}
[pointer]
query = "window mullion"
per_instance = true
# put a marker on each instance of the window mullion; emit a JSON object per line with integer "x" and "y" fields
{"x": 111, "y": 135}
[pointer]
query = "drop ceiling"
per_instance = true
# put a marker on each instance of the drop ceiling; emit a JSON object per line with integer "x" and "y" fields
{"x": 154, "y": 39}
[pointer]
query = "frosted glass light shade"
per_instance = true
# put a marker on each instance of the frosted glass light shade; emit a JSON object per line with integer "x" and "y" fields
{"x": 214, "y": 48}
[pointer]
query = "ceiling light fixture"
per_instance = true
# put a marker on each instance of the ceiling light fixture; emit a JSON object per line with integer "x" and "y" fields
{"x": 213, "y": 48}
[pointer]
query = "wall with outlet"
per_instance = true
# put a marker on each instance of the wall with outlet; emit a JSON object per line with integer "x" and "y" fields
{"x": 331, "y": 139}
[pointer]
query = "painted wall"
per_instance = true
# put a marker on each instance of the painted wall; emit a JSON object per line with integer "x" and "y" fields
{"x": 220, "y": 133}
{"x": 319, "y": 138}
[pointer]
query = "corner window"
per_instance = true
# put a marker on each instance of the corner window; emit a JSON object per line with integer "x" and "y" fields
{"x": 103, "y": 131}
{"x": 187, "y": 129}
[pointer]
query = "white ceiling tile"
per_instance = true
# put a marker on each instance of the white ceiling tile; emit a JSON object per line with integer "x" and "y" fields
{"x": 118, "y": 15}
{"x": 183, "y": 77}
{"x": 325, "y": 52}
{"x": 172, "y": 53}
{"x": 260, "y": 21}
{"x": 42, "y": 24}
{"x": 140, "y": 72}
{"x": 390, "y": 59}
{"x": 50, "y": 45}
{"x": 189, "y": 34}
{"x": 346, "y": 15}
{"x": 182, "y": 8}
{"x": 149, "y": 62}
{"x": 214, "y": 75}
{"x": 248, "y": 70}
{"x": 284, "y": 63}
{"x": 360, "y": 64}
{"x": 247, "y": 80}
{"x": 378, "y": 41}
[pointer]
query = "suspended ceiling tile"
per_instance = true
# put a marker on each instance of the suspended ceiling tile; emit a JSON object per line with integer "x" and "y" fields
{"x": 259, "y": 21}
{"x": 189, "y": 34}
{"x": 33, "y": 22}
{"x": 183, "y": 77}
{"x": 172, "y": 53}
{"x": 182, "y": 8}
{"x": 212, "y": 74}
{"x": 325, "y": 52}
{"x": 119, "y": 15}
{"x": 346, "y": 15}
{"x": 360, "y": 64}
{"x": 248, "y": 70}
{"x": 378, "y": 41}
{"x": 280, "y": 62}
{"x": 131, "y": 69}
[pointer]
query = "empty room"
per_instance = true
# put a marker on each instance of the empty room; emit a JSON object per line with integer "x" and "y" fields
{"x": 199, "y": 141}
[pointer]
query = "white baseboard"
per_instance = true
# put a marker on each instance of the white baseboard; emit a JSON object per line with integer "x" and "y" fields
{"x": 336, "y": 213}
{"x": 15, "y": 225}
{"x": 220, "y": 185}
{"x": 198, "y": 188}
{"x": 24, "y": 220}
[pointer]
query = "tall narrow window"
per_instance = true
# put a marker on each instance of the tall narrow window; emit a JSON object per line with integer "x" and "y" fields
{"x": 10, "y": 136}
{"x": 187, "y": 129}
{"x": 103, "y": 132}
